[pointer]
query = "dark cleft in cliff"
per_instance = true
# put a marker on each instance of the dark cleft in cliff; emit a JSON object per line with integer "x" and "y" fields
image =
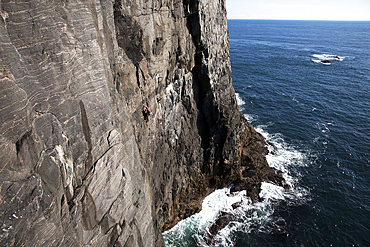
{"x": 129, "y": 34}
{"x": 80, "y": 161}
{"x": 232, "y": 151}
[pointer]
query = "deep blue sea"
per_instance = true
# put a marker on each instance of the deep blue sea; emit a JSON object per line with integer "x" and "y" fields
{"x": 305, "y": 85}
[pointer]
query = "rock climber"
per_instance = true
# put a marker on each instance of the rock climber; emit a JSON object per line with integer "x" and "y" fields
{"x": 146, "y": 112}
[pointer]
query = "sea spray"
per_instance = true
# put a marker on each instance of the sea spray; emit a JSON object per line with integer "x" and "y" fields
{"x": 247, "y": 216}
{"x": 193, "y": 231}
{"x": 259, "y": 217}
{"x": 239, "y": 100}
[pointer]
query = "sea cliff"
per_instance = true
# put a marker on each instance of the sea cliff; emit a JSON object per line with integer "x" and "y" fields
{"x": 79, "y": 162}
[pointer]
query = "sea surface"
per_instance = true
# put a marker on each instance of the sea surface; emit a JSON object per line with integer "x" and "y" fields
{"x": 305, "y": 85}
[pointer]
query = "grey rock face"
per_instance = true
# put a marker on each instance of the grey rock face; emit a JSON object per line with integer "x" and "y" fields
{"x": 79, "y": 165}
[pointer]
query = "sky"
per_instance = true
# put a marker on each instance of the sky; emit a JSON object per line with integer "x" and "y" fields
{"x": 343, "y": 10}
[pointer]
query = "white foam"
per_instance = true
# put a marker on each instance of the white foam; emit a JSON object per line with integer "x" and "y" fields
{"x": 285, "y": 158}
{"x": 239, "y": 100}
{"x": 323, "y": 127}
{"x": 196, "y": 225}
{"x": 320, "y": 61}
{"x": 316, "y": 60}
{"x": 248, "y": 217}
{"x": 250, "y": 117}
{"x": 252, "y": 217}
{"x": 271, "y": 191}
{"x": 257, "y": 216}
{"x": 328, "y": 57}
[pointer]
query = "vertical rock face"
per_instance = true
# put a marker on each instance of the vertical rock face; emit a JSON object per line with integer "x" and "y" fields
{"x": 79, "y": 165}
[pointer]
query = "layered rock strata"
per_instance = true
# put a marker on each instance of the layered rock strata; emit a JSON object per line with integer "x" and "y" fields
{"x": 79, "y": 163}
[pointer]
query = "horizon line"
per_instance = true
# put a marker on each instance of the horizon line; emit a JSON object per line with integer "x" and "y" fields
{"x": 247, "y": 19}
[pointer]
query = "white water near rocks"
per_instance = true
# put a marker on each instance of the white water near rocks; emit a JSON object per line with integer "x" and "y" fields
{"x": 194, "y": 231}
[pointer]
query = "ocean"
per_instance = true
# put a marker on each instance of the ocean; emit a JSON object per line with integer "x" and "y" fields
{"x": 305, "y": 85}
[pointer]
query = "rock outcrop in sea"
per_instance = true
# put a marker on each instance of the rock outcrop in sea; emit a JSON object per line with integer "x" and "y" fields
{"x": 79, "y": 162}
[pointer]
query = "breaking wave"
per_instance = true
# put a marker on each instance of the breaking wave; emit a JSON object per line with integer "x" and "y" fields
{"x": 247, "y": 217}
{"x": 328, "y": 57}
{"x": 239, "y": 100}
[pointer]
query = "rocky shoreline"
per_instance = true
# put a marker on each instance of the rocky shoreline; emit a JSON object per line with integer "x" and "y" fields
{"x": 246, "y": 172}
